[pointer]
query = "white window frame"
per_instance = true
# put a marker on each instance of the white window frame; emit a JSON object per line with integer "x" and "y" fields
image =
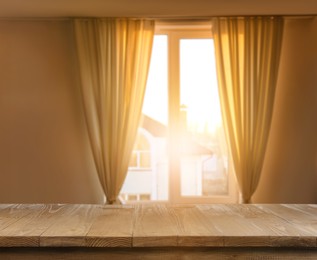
{"x": 176, "y": 31}
{"x": 139, "y": 153}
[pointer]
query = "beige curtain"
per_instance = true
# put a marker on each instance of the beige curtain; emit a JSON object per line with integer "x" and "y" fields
{"x": 114, "y": 56}
{"x": 247, "y": 55}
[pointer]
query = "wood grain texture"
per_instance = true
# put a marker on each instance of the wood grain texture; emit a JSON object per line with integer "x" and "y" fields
{"x": 27, "y": 230}
{"x": 113, "y": 227}
{"x": 310, "y": 209}
{"x": 154, "y": 227}
{"x": 235, "y": 229}
{"x": 193, "y": 227}
{"x": 4, "y": 206}
{"x": 304, "y": 222}
{"x": 279, "y": 233}
{"x": 159, "y": 226}
{"x": 287, "y": 234}
{"x": 69, "y": 226}
{"x": 9, "y": 214}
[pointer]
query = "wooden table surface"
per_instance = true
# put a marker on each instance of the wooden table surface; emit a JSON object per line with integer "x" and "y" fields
{"x": 216, "y": 225}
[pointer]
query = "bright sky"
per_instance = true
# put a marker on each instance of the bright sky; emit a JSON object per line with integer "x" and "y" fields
{"x": 156, "y": 100}
{"x": 199, "y": 90}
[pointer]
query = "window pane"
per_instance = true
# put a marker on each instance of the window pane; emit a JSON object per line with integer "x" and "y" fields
{"x": 147, "y": 179}
{"x": 204, "y": 168}
{"x": 156, "y": 96}
{"x": 133, "y": 160}
{"x": 145, "y": 159}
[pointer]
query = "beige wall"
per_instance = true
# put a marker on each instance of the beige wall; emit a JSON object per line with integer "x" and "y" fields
{"x": 44, "y": 152}
{"x": 290, "y": 169}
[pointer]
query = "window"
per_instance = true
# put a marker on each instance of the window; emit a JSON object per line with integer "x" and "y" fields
{"x": 181, "y": 145}
{"x": 141, "y": 154}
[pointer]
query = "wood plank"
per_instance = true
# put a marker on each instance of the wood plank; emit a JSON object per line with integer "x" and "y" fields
{"x": 112, "y": 227}
{"x": 5, "y": 206}
{"x": 194, "y": 229}
{"x": 26, "y": 231}
{"x": 200, "y": 226}
{"x": 304, "y": 222}
{"x": 279, "y": 232}
{"x": 69, "y": 227}
{"x": 309, "y": 209}
{"x": 235, "y": 228}
{"x": 154, "y": 227}
{"x": 9, "y": 214}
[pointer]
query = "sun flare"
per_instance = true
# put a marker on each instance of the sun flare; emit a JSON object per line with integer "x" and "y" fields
{"x": 198, "y": 84}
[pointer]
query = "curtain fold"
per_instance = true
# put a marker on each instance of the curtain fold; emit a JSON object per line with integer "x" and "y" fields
{"x": 114, "y": 56}
{"x": 247, "y": 56}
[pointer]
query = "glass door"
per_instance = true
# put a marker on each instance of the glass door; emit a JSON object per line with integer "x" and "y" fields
{"x": 199, "y": 168}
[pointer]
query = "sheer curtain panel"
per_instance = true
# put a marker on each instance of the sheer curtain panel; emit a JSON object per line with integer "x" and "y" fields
{"x": 114, "y": 56}
{"x": 247, "y": 55}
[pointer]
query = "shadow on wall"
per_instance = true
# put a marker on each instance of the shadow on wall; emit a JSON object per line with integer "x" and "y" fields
{"x": 290, "y": 169}
{"x": 44, "y": 151}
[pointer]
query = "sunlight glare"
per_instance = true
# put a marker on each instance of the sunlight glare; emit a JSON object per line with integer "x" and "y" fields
{"x": 156, "y": 98}
{"x": 199, "y": 91}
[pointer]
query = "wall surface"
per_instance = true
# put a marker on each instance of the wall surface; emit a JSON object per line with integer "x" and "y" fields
{"x": 44, "y": 151}
{"x": 290, "y": 170}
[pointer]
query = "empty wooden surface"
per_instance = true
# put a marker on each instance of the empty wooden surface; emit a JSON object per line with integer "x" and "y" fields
{"x": 158, "y": 226}
{"x": 112, "y": 227}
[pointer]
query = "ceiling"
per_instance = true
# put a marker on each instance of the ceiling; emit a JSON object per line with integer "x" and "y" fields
{"x": 153, "y": 8}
